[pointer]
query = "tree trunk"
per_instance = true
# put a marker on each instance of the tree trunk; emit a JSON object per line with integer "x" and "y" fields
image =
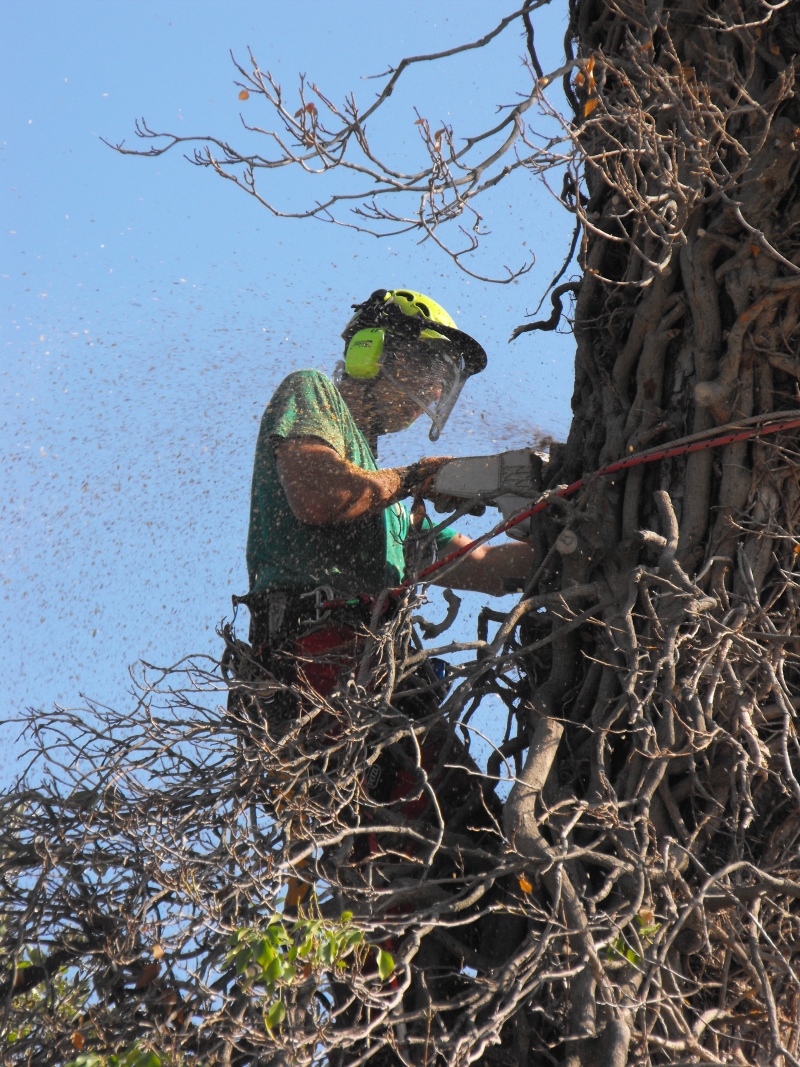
{"x": 677, "y": 718}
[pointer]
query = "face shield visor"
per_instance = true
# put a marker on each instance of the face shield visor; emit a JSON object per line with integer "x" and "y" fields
{"x": 425, "y": 357}
{"x": 432, "y": 379}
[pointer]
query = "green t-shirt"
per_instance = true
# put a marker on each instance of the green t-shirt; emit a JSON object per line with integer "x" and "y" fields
{"x": 363, "y": 556}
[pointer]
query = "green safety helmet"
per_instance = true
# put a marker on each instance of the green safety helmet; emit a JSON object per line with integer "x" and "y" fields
{"x": 394, "y": 322}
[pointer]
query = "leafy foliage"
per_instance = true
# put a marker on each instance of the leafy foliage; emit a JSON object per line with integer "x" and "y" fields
{"x": 274, "y": 956}
{"x": 134, "y": 1057}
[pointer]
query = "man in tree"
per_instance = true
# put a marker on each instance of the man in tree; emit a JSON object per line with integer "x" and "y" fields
{"x": 327, "y": 525}
{"x": 323, "y": 515}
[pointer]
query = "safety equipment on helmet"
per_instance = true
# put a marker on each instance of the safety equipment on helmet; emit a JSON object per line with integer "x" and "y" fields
{"x": 391, "y": 334}
{"x": 411, "y": 303}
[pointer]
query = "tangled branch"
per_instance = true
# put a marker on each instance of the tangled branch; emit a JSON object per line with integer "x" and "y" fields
{"x": 651, "y": 868}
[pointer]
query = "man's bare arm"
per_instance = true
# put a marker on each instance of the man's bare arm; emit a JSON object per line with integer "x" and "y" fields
{"x": 322, "y": 488}
{"x": 489, "y": 567}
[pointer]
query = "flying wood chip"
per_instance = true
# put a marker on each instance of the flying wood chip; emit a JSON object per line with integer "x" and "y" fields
{"x": 147, "y": 975}
{"x": 244, "y": 95}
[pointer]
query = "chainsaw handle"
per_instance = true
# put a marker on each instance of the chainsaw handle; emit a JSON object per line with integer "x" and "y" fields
{"x": 476, "y": 509}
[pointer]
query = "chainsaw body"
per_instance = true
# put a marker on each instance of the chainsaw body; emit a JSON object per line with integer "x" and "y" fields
{"x": 509, "y": 481}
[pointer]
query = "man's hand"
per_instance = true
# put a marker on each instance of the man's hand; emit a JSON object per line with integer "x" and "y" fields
{"x": 418, "y": 483}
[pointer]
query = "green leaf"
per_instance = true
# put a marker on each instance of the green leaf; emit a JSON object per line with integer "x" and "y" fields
{"x": 243, "y": 957}
{"x": 355, "y": 937}
{"x": 347, "y": 916}
{"x": 136, "y": 1057}
{"x": 263, "y": 954}
{"x": 273, "y": 972}
{"x": 618, "y": 949}
{"x": 276, "y": 1014}
{"x": 306, "y": 947}
{"x": 385, "y": 963}
{"x": 649, "y": 931}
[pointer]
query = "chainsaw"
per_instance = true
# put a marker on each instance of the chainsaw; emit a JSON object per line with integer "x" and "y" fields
{"x": 509, "y": 481}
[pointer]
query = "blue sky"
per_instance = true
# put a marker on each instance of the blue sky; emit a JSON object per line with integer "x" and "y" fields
{"x": 150, "y": 308}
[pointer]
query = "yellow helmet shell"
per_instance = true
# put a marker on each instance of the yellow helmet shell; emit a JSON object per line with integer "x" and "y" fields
{"x": 413, "y": 303}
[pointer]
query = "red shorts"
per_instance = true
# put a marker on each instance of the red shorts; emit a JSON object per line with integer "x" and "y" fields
{"x": 323, "y": 655}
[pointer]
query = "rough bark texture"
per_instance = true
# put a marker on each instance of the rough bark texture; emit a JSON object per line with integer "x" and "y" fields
{"x": 672, "y": 729}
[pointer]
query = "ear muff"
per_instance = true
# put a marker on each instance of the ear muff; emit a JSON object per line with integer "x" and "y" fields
{"x": 363, "y": 357}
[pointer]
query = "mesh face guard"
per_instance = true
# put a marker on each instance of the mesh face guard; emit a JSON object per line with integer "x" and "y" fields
{"x": 432, "y": 372}
{"x": 434, "y": 382}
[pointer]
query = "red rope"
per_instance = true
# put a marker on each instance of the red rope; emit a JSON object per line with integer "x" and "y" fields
{"x": 742, "y": 431}
{"x": 679, "y": 448}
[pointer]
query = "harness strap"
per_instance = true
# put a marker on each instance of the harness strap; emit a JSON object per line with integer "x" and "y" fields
{"x": 279, "y": 616}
